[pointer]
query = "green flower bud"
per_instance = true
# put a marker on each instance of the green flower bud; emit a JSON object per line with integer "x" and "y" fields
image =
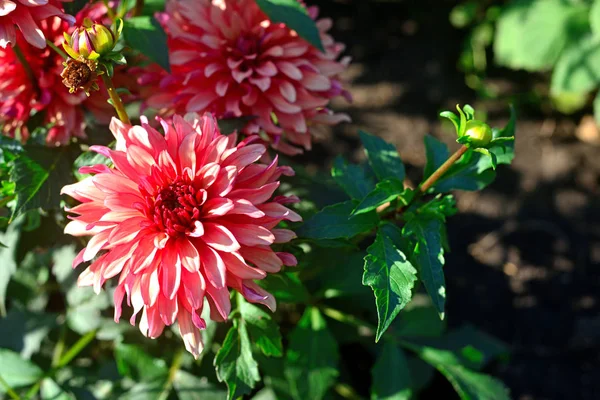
{"x": 479, "y": 133}
{"x": 90, "y": 41}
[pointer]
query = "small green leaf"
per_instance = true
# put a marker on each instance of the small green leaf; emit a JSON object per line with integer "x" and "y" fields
{"x": 489, "y": 154}
{"x": 476, "y": 347}
{"x": 234, "y": 362}
{"x": 312, "y": 357}
{"x": 428, "y": 256}
{"x": 145, "y": 35}
{"x": 385, "y": 191}
{"x": 334, "y": 222}
{"x": 50, "y": 390}
{"x": 7, "y": 254}
{"x": 294, "y": 15}
{"x": 190, "y": 387}
{"x": 391, "y": 375}
{"x": 468, "y": 384}
{"x": 135, "y": 363}
{"x": 391, "y": 276}
{"x": 263, "y": 330}
{"x": 352, "y": 178}
{"x": 286, "y": 287}
{"x": 383, "y": 157}
{"x": 39, "y": 174}
{"x": 453, "y": 118}
{"x": 16, "y": 371}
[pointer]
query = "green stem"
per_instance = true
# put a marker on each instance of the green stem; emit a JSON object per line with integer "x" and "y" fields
{"x": 64, "y": 360}
{"x": 175, "y": 365}
{"x": 60, "y": 345}
{"x": 442, "y": 169}
{"x": 116, "y": 100}
{"x": 57, "y": 49}
{"x": 13, "y": 395}
{"x": 24, "y": 63}
{"x": 139, "y": 7}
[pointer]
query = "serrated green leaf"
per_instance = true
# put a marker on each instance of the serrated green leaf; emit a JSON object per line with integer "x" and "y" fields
{"x": 352, "y": 178}
{"x": 391, "y": 276}
{"x": 39, "y": 174}
{"x": 385, "y": 191}
{"x": 419, "y": 319}
{"x": 286, "y": 287}
{"x": 263, "y": 330}
{"x": 428, "y": 256}
{"x": 294, "y": 15}
{"x": 468, "y": 384}
{"x": 190, "y": 387}
{"x": 391, "y": 375}
{"x": 7, "y": 254}
{"x": 312, "y": 357}
{"x": 531, "y": 34}
{"x": 475, "y": 347}
{"x": 135, "y": 363}
{"x": 11, "y": 145}
{"x": 383, "y": 157}
{"x": 16, "y": 371}
{"x": 334, "y": 222}
{"x": 234, "y": 362}
{"x": 576, "y": 69}
{"x": 145, "y": 35}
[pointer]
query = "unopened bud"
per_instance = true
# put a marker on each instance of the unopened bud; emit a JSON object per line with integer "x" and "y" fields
{"x": 90, "y": 41}
{"x": 480, "y": 133}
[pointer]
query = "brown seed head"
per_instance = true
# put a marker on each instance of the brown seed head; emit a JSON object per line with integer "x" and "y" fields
{"x": 80, "y": 74}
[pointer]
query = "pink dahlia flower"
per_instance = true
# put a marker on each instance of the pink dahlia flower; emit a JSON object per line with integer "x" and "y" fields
{"x": 180, "y": 218}
{"x": 228, "y": 58}
{"x": 26, "y": 14}
{"x": 39, "y": 87}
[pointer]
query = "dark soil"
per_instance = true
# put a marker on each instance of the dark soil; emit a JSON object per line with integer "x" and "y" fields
{"x": 525, "y": 253}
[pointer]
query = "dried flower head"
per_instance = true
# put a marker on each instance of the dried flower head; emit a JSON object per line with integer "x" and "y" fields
{"x": 80, "y": 74}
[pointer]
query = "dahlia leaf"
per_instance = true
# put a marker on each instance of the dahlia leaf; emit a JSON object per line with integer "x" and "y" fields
{"x": 16, "y": 371}
{"x": 10, "y": 238}
{"x": 263, "y": 330}
{"x": 391, "y": 276}
{"x": 383, "y": 157}
{"x": 335, "y": 221}
{"x": 352, "y": 178}
{"x": 294, "y": 15}
{"x": 385, "y": 191}
{"x": 23, "y": 331}
{"x": 474, "y": 347}
{"x": 50, "y": 390}
{"x": 136, "y": 364}
{"x": 391, "y": 375}
{"x": 437, "y": 153}
{"x": 286, "y": 287}
{"x": 38, "y": 175}
{"x": 145, "y": 35}
{"x": 312, "y": 357}
{"x": 428, "y": 256}
{"x": 234, "y": 362}
{"x": 469, "y": 385}
{"x": 190, "y": 387}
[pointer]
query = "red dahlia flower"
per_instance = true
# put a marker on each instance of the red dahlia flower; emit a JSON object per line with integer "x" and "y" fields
{"x": 26, "y": 14}
{"x": 227, "y": 57}
{"x": 180, "y": 218}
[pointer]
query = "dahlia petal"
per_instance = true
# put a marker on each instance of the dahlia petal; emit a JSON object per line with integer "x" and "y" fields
{"x": 236, "y": 265}
{"x": 28, "y": 27}
{"x": 243, "y": 206}
{"x": 220, "y": 303}
{"x": 288, "y": 259}
{"x": 118, "y": 296}
{"x": 288, "y": 91}
{"x": 263, "y": 258}
{"x": 96, "y": 243}
{"x": 213, "y": 266}
{"x": 140, "y": 159}
{"x": 245, "y": 156}
{"x": 290, "y": 70}
{"x": 251, "y": 235}
{"x": 6, "y": 6}
{"x": 267, "y": 69}
{"x": 210, "y": 69}
{"x": 111, "y": 183}
{"x": 217, "y": 207}
{"x": 198, "y": 230}
{"x": 189, "y": 333}
{"x": 255, "y": 294}
{"x": 208, "y": 174}
{"x": 168, "y": 309}
{"x": 255, "y": 196}
{"x": 283, "y": 235}
{"x": 7, "y": 35}
{"x": 187, "y": 155}
{"x": 282, "y": 105}
{"x": 171, "y": 271}
{"x": 224, "y": 182}
{"x": 188, "y": 254}
{"x": 200, "y": 101}
{"x": 194, "y": 288}
{"x": 150, "y": 324}
{"x": 277, "y": 210}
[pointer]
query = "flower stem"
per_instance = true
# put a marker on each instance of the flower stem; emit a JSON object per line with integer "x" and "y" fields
{"x": 175, "y": 365}
{"x": 24, "y": 63}
{"x": 56, "y": 49}
{"x": 8, "y": 389}
{"x": 442, "y": 169}
{"x": 139, "y": 7}
{"x": 114, "y": 97}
